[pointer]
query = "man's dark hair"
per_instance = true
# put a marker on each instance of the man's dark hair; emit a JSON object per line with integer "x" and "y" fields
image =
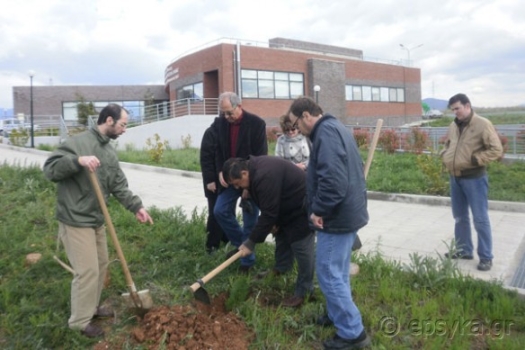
{"x": 462, "y": 98}
{"x": 304, "y": 104}
{"x": 232, "y": 168}
{"x": 112, "y": 110}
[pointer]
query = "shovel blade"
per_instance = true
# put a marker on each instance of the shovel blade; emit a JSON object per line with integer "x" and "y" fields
{"x": 202, "y": 295}
{"x": 144, "y": 298}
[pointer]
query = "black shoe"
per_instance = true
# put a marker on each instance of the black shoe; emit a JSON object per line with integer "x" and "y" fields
{"x": 459, "y": 255}
{"x": 92, "y": 331}
{"x": 485, "y": 265}
{"x": 231, "y": 253}
{"x": 324, "y": 321}
{"x": 244, "y": 270}
{"x": 338, "y": 343}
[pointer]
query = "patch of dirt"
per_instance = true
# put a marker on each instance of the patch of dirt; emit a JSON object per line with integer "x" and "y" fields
{"x": 193, "y": 327}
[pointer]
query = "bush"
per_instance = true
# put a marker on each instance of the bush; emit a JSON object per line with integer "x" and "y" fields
{"x": 156, "y": 148}
{"x": 416, "y": 141}
{"x": 389, "y": 140}
{"x": 19, "y": 137}
{"x": 362, "y": 138}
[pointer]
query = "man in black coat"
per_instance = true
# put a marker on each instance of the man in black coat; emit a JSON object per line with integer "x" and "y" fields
{"x": 278, "y": 187}
{"x": 239, "y": 134}
{"x": 210, "y": 179}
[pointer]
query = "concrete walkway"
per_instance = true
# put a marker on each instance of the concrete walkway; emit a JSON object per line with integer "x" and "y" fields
{"x": 400, "y": 225}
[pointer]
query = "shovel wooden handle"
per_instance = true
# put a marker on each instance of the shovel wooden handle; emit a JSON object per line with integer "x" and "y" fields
{"x": 373, "y": 146}
{"x": 215, "y": 272}
{"x": 133, "y": 290}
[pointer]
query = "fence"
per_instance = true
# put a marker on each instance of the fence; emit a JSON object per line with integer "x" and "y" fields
{"x": 402, "y": 138}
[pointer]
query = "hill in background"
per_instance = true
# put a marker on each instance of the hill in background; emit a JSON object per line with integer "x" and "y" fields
{"x": 435, "y": 103}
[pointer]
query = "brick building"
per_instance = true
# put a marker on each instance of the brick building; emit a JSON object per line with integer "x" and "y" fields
{"x": 268, "y": 76}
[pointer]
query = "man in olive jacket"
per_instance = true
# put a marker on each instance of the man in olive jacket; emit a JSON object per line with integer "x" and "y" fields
{"x": 472, "y": 143}
{"x": 81, "y": 221}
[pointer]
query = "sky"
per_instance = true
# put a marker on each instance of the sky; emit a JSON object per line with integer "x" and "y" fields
{"x": 476, "y": 47}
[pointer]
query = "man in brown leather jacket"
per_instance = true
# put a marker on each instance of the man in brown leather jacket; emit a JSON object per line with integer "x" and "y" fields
{"x": 472, "y": 143}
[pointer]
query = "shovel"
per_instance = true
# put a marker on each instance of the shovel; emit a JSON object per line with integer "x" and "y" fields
{"x": 357, "y": 243}
{"x": 198, "y": 287}
{"x": 141, "y": 299}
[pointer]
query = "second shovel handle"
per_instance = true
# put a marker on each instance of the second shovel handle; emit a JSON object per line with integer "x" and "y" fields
{"x": 215, "y": 271}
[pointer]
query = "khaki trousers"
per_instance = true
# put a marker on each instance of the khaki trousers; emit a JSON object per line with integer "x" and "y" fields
{"x": 87, "y": 251}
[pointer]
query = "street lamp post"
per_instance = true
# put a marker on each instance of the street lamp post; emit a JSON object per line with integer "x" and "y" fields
{"x": 408, "y": 51}
{"x": 317, "y": 88}
{"x": 31, "y": 75}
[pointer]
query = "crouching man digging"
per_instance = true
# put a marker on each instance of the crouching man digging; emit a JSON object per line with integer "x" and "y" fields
{"x": 278, "y": 187}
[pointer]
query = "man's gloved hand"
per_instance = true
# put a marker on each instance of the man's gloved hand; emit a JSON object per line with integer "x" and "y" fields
{"x": 246, "y": 205}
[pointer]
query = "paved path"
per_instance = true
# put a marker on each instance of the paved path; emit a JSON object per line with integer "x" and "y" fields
{"x": 400, "y": 225}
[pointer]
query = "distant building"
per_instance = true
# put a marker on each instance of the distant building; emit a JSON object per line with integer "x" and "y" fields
{"x": 268, "y": 76}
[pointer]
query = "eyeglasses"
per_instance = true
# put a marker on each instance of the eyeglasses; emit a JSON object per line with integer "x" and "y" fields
{"x": 294, "y": 125}
{"x": 230, "y": 112}
{"x": 290, "y": 130}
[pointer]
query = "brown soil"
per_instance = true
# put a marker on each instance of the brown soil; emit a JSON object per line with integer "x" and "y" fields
{"x": 191, "y": 327}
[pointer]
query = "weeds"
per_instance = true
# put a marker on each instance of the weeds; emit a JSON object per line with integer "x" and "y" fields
{"x": 156, "y": 148}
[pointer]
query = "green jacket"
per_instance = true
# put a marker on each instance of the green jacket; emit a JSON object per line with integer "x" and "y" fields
{"x": 468, "y": 152}
{"x": 77, "y": 204}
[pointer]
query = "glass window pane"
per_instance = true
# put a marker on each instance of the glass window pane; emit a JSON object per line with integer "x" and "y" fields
{"x": 384, "y": 94}
{"x": 356, "y": 93}
{"x": 281, "y": 76}
{"x": 266, "y": 89}
{"x": 375, "y": 94}
{"x": 252, "y": 74}
{"x": 198, "y": 91}
{"x": 249, "y": 88}
{"x": 296, "y": 77}
{"x": 282, "y": 89}
{"x": 392, "y": 95}
{"x": 265, "y": 75}
{"x": 296, "y": 90}
{"x": 400, "y": 95}
{"x": 367, "y": 93}
{"x": 348, "y": 93}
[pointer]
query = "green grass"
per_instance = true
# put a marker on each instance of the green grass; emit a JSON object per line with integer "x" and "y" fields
{"x": 427, "y": 304}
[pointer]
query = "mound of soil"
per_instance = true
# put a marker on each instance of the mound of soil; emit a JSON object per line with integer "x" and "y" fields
{"x": 193, "y": 327}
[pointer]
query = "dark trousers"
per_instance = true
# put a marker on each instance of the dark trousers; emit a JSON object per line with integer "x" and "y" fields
{"x": 214, "y": 233}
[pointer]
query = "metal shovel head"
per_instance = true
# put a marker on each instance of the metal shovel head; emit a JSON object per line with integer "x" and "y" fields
{"x": 202, "y": 295}
{"x": 144, "y": 298}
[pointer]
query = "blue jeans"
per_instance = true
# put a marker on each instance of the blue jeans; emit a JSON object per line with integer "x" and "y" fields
{"x": 224, "y": 212}
{"x": 472, "y": 193}
{"x": 332, "y": 263}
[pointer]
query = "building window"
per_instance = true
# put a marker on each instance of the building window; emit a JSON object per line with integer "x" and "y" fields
{"x": 374, "y": 93}
{"x": 135, "y": 109}
{"x": 376, "y": 96}
{"x": 194, "y": 92}
{"x": 271, "y": 85}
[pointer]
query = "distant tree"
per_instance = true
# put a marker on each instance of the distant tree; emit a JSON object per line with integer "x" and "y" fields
{"x": 84, "y": 110}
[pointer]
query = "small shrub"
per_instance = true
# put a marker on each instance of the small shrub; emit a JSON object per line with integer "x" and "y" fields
{"x": 19, "y": 137}
{"x": 431, "y": 167}
{"x": 417, "y": 140}
{"x": 156, "y": 148}
{"x": 186, "y": 141}
{"x": 362, "y": 138}
{"x": 389, "y": 140}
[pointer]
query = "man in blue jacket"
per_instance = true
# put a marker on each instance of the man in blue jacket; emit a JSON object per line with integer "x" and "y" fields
{"x": 337, "y": 201}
